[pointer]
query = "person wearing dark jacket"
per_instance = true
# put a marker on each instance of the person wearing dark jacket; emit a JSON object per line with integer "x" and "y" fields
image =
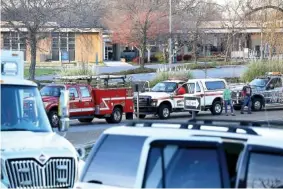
{"x": 246, "y": 94}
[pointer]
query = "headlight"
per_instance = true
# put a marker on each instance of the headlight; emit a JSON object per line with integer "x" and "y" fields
{"x": 45, "y": 103}
{"x": 153, "y": 103}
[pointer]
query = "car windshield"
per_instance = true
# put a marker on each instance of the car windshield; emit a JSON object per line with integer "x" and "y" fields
{"x": 259, "y": 82}
{"x": 51, "y": 91}
{"x": 22, "y": 109}
{"x": 165, "y": 87}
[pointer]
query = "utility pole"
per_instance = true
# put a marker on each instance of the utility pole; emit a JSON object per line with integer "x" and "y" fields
{"x": 170, "y": 32}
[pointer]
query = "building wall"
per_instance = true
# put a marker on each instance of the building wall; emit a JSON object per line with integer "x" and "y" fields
{"x": 87, "y": 45}
{"x": 43, "y": 48}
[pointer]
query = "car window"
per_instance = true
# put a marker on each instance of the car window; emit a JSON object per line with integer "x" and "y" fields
{"x": 116, "y": 162}
{"x": 265, "y": 171}
{"x": 178, "y": 167}
{"x": 85, "y": 92}
{"x": 191, "y": 88}
{"x": 198, "y": 90}
{"x": 74, "y": 91}
{"x": 278, "y": 83}
{"x": 215, "y": 85}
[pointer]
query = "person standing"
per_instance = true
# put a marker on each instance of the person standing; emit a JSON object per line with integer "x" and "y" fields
{"x": 228, "y": 101}
{"x": 246, "y": 94}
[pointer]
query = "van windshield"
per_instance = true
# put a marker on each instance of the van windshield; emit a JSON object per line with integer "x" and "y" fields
{"x": 22, "y": 109}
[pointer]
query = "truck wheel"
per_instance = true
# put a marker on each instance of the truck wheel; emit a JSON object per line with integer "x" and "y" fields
{"x": 164, "y": 111}
{"x": 116, "y": 116}
{"x": 141, "y": 116}
{"x": 85, "y": 120}
{"x": 129, "y": 116}
{"x": 216, "y": 108}
{"x": 257, "y": 104}
{"x": 54, "y": 118}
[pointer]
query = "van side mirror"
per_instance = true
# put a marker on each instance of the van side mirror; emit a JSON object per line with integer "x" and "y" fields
{"x": 81, "y": 152}
{"x": 63, "y": 112}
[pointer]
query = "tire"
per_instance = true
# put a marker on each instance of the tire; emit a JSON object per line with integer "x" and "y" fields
{"x": 164, "y": 111}
{"x": 85, "y": 120}
{"x": 216, "y": 108}
{"x": 116, "y": 116}
{"x": 129, "y": 116}
{"x": 141, "y": 116}
{"x": 257, "y": 104}
{"x": 54, "y": 118}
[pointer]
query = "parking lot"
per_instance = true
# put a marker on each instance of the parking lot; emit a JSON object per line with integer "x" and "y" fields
{"x": 81, "y": 134}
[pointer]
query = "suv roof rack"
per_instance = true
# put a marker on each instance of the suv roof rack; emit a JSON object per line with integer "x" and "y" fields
{"x": 195, "y": 124}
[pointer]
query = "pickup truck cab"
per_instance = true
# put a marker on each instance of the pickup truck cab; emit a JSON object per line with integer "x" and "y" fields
{"x": 88, "y": 102}
{"x": 210, "y": 91}
{"x": 193, "y": 154}
{"x": 162, "y": 100}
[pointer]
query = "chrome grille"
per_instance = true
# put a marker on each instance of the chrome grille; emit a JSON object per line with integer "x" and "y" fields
{"x": 234, "y": 94}
{"x": 28, "y": 173}
{"x": 143, "y": 102}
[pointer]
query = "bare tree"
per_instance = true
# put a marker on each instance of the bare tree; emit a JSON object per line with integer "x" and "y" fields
{"x": 39, "y": 18}
{"x": 136, "y": 22}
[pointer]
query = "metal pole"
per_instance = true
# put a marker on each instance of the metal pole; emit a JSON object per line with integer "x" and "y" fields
{"x": 170, "y": 32}
{"x": 193, "y": 115}
{"x": 138, "y": 99}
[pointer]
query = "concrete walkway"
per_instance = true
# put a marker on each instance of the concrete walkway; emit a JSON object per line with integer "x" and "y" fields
{"x": 116, "y": 63}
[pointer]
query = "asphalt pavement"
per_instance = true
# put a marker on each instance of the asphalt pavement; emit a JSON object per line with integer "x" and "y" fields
{"x": 83, "y": 134}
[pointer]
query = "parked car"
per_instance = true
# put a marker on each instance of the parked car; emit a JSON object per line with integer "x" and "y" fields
{"x": 192, "y": 154}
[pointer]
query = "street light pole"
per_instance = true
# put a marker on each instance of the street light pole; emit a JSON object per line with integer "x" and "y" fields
{"x": 170, "y": 32}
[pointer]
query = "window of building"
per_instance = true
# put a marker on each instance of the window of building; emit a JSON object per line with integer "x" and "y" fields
{"x": 63, "y": 42}
{"x": 14, "y": 41}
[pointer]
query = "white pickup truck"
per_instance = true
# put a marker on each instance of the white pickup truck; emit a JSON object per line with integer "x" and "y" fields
{"x": 32, "y": 155}
{"x": 193, "y": 154}
{"x": 210, "y": 91}
{"x": 161, "y": 100}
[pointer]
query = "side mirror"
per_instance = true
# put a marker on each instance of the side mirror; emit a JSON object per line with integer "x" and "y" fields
{"x": 270, "y": 87}
{"x": 81, "y": 152}
{"x": 63, "y": 113}
{"x": 72, "y": 96}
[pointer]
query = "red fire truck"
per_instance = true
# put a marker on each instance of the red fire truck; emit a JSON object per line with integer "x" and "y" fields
{"x": 90, "y": 97}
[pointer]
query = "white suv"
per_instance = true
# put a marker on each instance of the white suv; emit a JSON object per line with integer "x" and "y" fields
{"x": 210, "y": 92}
{"x": 194, "y": 154}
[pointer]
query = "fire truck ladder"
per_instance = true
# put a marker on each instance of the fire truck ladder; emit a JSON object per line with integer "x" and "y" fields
{"x": 89, "y": 79}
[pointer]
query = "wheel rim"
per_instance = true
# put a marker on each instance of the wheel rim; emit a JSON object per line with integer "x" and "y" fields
{"x": 55, "y": 119}
{"x": 117, "y": 115}
{"x": 166, "y": 112}
{"x": 257, "y": 105}
{"x": 217, "y": 108}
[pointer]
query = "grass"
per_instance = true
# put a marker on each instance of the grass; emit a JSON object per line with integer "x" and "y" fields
{"x": 41, "y": 72}
{"x": 83, "y": 69}
{"x": 173, "y": 73}
{"x": 257, "y": 69}
{"x": 133, "y": 71}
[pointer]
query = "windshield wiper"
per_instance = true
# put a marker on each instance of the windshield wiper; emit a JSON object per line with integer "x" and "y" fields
{"x": 94, "y": 182}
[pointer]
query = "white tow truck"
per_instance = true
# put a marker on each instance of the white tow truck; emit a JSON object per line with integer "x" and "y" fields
{"x": 32, "y": 155}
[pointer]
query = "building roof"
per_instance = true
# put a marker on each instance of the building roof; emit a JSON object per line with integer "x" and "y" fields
{"x": 48, "y": 27}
